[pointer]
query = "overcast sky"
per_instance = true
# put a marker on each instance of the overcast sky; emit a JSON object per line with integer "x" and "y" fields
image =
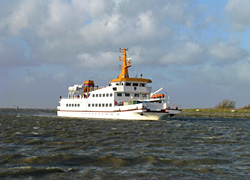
{"x": 197, "y": 50}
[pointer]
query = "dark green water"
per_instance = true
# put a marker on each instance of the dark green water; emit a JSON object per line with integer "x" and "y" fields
{"x": 35, "y": 144}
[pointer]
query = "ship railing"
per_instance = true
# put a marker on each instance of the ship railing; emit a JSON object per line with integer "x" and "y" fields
{"x": 80, "y": 94}
{"x": 64, "y": 98}
{"x": 127, "y": 103}
{"x": 71, "y": 97}
{"x": 95, "y": 88}
{"x": 173, "y": 106}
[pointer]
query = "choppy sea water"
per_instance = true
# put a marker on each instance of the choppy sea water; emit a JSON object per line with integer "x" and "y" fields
{"x": 35, "y": 144}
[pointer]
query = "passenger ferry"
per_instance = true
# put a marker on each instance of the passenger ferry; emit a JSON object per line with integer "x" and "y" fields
{"x": 128, "y": 98}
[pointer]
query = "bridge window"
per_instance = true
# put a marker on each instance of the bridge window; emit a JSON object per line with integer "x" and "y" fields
{"x": 128, "y": 84}
{"x": 136, "y": 95}
{"x": 119, "y": 94}
{"x": 127, "y": 94}
{"x": 135, "y": 84}
{"x": 142, "y": 85}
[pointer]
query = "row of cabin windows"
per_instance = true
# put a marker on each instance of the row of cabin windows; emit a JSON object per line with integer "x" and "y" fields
{"x": 102, "y": 95}
{"x": 133, "y": 84}
{"x": 128, "y": 95}
{"x": 72, "y": 105}
{"x": 100, "y": 105}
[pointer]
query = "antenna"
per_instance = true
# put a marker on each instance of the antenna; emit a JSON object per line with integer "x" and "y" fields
{"x": 126, "y": 63}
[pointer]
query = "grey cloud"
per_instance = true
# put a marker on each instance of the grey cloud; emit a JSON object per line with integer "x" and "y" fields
{"x": 238, "y": 11}
{"x": 225, "y": 53}
{"x": 69, "y": 40}
{"x": 62, "y": 30}
{"x": 187, "y": 54}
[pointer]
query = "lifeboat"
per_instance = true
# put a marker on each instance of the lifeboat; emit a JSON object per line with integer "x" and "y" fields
{"x": 157, "y": 96}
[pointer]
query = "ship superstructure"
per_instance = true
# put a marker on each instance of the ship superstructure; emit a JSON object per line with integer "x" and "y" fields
{"x": 124, "y": 98}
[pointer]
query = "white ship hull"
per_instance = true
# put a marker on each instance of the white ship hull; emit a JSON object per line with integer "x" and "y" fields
{"x": 122, "y": 115}
{"x": 135, "y": 110}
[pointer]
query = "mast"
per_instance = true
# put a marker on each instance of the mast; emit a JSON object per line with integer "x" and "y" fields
{"x": 124, "y": 75}
{"x": 126, "y": 64}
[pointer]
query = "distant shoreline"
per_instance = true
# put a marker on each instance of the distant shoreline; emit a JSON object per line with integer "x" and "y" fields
{"x": 49, "y": 109}
{"x": 28, "y": 109}
{"x": 220, "y": 113}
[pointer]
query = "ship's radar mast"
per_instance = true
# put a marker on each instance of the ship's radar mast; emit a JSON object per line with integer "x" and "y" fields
{"x": 126, "y": 63}
{"x": 124, "y": 75}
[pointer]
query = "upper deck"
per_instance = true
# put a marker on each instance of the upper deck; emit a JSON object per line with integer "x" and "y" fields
{"x": 123, "y": 83}
{"x": 131, "y": 86}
